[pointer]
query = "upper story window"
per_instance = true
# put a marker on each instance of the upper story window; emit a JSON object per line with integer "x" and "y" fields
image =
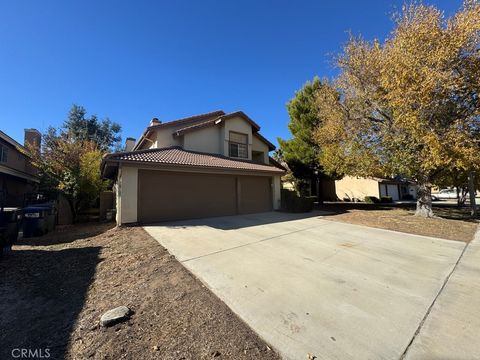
{"x": 3, "y": 153}
{"x": 238, "y": 145}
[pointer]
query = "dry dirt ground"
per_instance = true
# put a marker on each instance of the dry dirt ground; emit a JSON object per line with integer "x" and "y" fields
{"x": 450, "y": 222}
{"x": 54, "y": 289}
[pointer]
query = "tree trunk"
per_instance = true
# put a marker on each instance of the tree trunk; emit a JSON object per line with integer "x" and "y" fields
{"x": 424, "y": 199}
{"x": 319, "y": 190}
{"x": 471, "y": 190}
{"x": 73, "y": 209}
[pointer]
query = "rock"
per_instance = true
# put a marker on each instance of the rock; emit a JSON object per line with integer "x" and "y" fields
{"x": 114, "y": 316}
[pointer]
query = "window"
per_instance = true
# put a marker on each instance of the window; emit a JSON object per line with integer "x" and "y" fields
{"x": 3, "y": 153}
{"x": 238, "y": 145}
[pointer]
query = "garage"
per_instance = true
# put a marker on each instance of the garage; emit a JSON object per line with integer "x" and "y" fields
{"x": 174, "y": 184}
{"x": 254, "y": 194}
{"x": 390, "y": 190}
{"x": 169, "y": 195}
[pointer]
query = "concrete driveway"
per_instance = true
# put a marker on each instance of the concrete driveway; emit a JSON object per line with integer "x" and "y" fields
{"x": 309, "y": 285}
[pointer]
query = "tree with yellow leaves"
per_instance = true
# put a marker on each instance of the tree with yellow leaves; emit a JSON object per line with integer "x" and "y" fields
{"x": 409, "y": 106}
{"x": 70, "y": 157}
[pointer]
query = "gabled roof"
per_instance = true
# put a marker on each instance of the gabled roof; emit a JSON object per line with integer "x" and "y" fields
{"x": 11, "y": 141}
{"x": 189, "y": 120}
{"x": 197, "y": 126}
{"x": 244, "y": 116}
{"x": 218, "y": 120}
{"x": 186, "y": 121}
{"x": 177, "y": 156}
{"x": 271, "y": 147}
{"x": 196, "y": 122}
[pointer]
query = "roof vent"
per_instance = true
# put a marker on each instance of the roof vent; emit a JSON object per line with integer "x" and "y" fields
{"x": 155, "y": 121}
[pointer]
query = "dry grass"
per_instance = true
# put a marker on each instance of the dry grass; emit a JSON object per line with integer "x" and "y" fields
{"x": 55, "y": 288}
{"x": 451, "y": 223}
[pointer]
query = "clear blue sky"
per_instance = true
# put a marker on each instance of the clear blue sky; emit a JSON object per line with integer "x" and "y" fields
{"x": 134, "y": 60}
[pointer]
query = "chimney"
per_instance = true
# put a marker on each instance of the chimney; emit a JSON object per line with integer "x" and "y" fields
{"x": 32, "y": 138}
{"x": 155, "y": 121}
{"x": 129, "y": 144}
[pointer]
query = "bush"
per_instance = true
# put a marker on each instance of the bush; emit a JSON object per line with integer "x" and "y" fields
{"x": 386, "y": 199}
{"x": 371, "y": 200}
{"x": 291, "y": 202}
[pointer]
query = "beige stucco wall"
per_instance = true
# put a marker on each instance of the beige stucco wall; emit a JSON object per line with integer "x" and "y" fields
{"x": 165, "y": 138}
{"x": 276, "y": 193}
{"x": 239, "y": 125}
{"x": 354, "y": 187}
{"x": 203, "y": 140}
{"x": 126, "y": 192}
{"x": 259, "y": 145}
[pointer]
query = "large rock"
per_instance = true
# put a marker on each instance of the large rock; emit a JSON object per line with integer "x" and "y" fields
{"x": 115, "y": 316}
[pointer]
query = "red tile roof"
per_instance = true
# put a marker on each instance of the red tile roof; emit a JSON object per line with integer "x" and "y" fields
{"x": 190, "y": 119}
{"x": 197, "y": 126}
{"x": 187, "y": 121}
{"x": 212, "y": 122}
{"x": 177, "y": 156}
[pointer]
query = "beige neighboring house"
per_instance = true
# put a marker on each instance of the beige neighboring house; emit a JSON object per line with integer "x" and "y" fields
{"x": 357, "y": 188}
{"x": 18, "y": 176}
{"x": 213, "y": 164}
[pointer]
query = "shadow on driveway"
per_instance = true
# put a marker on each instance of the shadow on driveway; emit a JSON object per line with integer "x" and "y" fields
{"x": 39, "y": 303}
{"x": 241, "y": 221}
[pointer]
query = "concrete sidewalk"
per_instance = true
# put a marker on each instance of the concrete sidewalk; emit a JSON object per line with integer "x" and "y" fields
{"x": 308, "y": 285}
{"x": 451, "y": 329}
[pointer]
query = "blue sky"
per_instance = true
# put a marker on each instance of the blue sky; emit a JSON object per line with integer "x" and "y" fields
{"x": 134, "y": 60}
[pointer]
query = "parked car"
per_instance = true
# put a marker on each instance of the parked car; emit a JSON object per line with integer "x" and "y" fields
{"x": 444, "y": 194}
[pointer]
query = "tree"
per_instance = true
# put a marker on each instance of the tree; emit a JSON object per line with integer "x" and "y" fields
{"x": 301, "y": 151}
{"x": 73, "y": 169}
{"x": 70, "y": 157}
{"x": 104, "y": 133}
{"x": 409, "y": 106}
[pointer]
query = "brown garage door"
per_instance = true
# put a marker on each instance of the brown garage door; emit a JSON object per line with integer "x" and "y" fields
{"x": 167, "y": 195}
{"x": 254, "y": 194}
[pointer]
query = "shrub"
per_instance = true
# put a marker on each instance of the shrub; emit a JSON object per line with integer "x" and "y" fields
{"x": 371, "y": 200}
{"x": 291, "y": 202}
{"x": 386, "y": 199}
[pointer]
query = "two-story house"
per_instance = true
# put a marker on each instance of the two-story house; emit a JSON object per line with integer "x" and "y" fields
{"x": 17, "y": 175}
{"x": 213, "y": 164}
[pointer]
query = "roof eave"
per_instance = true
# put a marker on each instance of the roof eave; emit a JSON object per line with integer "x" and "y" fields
{"x": 116, "y": 163}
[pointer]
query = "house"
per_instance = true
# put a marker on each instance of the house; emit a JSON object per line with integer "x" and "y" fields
{"x": 213, "y": 164}
{"x": 357, "y": 188}
{"x": 17, "y": 175}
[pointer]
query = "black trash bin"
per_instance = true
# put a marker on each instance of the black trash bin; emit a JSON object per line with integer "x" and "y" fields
{"x": 10, "y": 221}
{"x": 2, "y": 239}
{"x": 50, "y": 215}
{"x": 35, "y": 220}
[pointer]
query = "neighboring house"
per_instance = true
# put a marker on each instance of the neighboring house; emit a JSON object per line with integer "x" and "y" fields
{"x": 212, "y": 164}
{"x": 17, "y": 175}
{"x": 355, "y": 188}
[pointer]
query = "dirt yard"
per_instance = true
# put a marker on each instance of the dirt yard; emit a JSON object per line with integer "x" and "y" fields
{"x": 451, "y": 222}
{"x": 54, "y": 289}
